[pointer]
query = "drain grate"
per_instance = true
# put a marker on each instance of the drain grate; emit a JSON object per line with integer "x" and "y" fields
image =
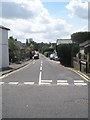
{"x": 81, "y": 101}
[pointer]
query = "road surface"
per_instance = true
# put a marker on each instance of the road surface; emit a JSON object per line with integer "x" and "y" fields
{"x": 44, "y": 89}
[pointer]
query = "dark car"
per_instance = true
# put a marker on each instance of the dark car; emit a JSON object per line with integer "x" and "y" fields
{"x": 36, "y": 56}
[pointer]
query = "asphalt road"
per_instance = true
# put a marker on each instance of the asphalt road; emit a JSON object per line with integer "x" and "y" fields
{"x": 44, "y": 89}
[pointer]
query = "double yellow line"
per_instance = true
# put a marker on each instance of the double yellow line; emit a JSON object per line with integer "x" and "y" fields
{"x": 85, "y": 77}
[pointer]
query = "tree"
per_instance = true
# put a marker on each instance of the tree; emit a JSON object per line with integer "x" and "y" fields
{"x": 27, "y": 44}
{"x": 31, "y": 47}
{"x": 13, "y": 50}
{"x": 80, "y": 37}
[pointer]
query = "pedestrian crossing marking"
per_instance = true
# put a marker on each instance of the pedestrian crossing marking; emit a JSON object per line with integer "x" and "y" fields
{"x": 62, "y": 83}
{"x": 1, "y": 83}
{"x": 49, "y": 82}
{"x": 80, "y": 84}
{"x": 13, "y": 83}
{"x": 29, "y": 83}
{"x": 46, "y": 81}
{"x": 78, "y": 81}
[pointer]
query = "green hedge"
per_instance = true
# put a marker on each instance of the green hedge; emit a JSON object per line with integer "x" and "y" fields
{"x": 66, "y": 52}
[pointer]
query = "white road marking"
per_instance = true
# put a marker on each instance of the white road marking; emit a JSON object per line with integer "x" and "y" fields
{"x": 40, "y": 68}
{"x": 45, "y": 81}
{"x": 41, "y": 65}
{"x": 4, "y": 76}
{"x": 40, "y": 78}
{"x": 78, "y": 81}
{"x": 13, "y": 83}
{"x": 33, "y": 62}
{"x": 29, "y": 83}
{"x": 41, "y": 62}
{"x": 62, "y": 81}
{"x": 1, "y": 83}
{"x": 80, "y": 84}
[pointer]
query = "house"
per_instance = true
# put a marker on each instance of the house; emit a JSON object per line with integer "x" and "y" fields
{"x": 53, "y": 45}
{"x": 85, "y": 56}
{"x": 63, "y": 41}
{"x": 4, "y": 52}
{"x": 82, "y": 60}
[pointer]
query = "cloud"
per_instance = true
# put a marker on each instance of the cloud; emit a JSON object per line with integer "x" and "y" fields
{"x": 12, "y": 10}
{"x": 29, "y": 18}
{"x": 78, "y": 8}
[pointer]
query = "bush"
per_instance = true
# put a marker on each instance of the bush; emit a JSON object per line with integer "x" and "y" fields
{"x": 66, "y": 51}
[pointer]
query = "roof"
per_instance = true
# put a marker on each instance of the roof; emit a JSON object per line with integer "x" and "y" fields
{"x": 63, "y": 41}
{"x": 2, "y": 27}
{"x": 20, "y": 44}
{"x": 85, "y": 44}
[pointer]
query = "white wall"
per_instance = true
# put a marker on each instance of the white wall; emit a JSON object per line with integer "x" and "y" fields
{"x": 4, "y": 54}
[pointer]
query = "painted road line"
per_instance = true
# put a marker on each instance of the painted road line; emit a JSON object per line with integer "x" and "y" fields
{"x": 80, "y": 84}
{"x": 4, "y": 76}
{"x": 13, "y": 83}
{"x": 40, "y": 78}
{"x": 46, "y": 81}
{"x": 79, "y": 74}
{"x": 62, "y": 81}
{"x": 41, "y": 62}
{"x": 84, "y": 75}
{"x": 41, "y": 65}
{"x": 78, "y": 81}
{"x": 28, "y": 83}
{"x": 33, "y": 63}
{"x": 1, "y": 83}
{"x": 40, "y": 68}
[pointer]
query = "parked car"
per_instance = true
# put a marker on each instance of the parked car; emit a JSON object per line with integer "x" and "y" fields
{"x": 53, "y": 57}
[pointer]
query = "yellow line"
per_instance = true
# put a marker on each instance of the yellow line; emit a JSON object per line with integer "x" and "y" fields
{"x": 83, "y": 76}
{"x": 6, "y": 75}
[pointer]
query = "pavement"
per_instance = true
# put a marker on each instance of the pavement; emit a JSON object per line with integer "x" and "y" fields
{"x": 14, "y": 67}
{"x": 44, "y": 89}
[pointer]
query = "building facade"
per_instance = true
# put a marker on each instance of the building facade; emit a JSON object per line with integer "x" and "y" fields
{"x": 64, "y": 41}
{"x": 82, "y": 61}
{"x": 4, "y": 52}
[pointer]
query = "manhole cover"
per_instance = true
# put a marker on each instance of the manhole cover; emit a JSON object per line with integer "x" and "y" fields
{"x": 81, "y": 101}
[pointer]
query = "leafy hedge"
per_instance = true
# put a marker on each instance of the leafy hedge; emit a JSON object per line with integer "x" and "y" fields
{"x": 66, "y": 51}
{"x": 80, "y": 37}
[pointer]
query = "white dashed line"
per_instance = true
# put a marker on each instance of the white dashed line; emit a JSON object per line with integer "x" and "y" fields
{"x": 45, "y": 81}
{"x": 80, "y": 84}
{"x": 29, "y": 83}
{"x": 13, "y": 83}
{"x": 41, "y": 62}
{"x": 40, "y": 78}
{"x": 1, "y": 83}
{"x": 40, "y": 68}
{"x": 62, "y": 83}
{"x": 78, "y": 81}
